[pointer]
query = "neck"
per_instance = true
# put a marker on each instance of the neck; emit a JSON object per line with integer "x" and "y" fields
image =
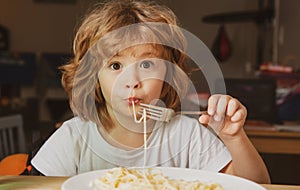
{"x": 125, "y": 133}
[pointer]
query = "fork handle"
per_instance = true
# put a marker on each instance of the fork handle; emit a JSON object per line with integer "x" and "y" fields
{"x": 192, "y": 112}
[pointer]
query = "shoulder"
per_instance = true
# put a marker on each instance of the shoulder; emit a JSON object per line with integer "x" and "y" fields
{"x": 75, "y": 121}
{"x": 74, "y": 128}
{"x": 76, "y": 124}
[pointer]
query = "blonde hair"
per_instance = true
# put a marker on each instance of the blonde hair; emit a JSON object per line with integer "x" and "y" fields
{"x": 104, "y": 19}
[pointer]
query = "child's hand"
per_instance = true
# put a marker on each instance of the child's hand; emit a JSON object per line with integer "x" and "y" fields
{"x": 226, "y": 115}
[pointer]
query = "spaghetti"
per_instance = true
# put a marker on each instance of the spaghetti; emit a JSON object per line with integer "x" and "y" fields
{"x": 145, "y": 129}
{"x": 146, "y": 179}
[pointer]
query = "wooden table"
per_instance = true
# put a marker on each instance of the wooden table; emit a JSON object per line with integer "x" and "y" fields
{"x": 54, "y": 183}
{"x": 277, "y": 142}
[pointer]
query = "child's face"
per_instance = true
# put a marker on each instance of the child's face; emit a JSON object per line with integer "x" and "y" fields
{"x": 134, "y": 75}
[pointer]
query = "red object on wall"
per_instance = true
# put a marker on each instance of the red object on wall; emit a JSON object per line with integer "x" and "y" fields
{"x": 222, "y": 47}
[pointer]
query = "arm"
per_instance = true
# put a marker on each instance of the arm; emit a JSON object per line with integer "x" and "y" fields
{"x": 226, "y": 116}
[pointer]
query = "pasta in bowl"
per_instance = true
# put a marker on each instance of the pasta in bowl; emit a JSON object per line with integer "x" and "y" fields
{"x": 146, "y": 179}
{"x": 158, "y": 178}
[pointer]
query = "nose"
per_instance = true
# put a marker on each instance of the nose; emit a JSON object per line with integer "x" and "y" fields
{"x": 132, "y": 79}
{"x": 133, "y": 84}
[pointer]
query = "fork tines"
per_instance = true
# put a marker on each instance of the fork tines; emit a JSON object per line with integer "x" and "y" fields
{"x": 156, "y": 112}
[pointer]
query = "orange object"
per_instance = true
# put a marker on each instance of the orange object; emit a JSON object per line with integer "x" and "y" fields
{"x": 14, "y": 164}
{"x": 29, "y": 168}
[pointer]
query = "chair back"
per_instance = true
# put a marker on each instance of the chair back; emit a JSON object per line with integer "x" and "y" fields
{"x": 12, "y": 137}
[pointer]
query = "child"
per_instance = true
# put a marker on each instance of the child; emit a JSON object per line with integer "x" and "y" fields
{"x": 116, "y": 67}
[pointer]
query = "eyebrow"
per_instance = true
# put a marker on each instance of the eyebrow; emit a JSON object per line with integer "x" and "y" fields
{"x": 148, "y": 53}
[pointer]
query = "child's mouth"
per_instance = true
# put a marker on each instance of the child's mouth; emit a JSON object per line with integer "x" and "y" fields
{"x": 133, "y": 100}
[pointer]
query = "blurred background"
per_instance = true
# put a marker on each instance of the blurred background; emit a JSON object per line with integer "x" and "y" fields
{"x": 255, "y": 42}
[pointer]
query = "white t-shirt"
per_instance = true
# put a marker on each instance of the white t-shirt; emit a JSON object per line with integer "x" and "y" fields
{"x": 78, "y": 147}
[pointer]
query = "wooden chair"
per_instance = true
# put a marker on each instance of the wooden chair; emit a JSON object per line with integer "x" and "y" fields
{"x": 12, "y": 137}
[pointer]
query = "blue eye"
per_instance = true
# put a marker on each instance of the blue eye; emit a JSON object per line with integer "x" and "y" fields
{"x": 115, "y": 66}
{"x": 146, "y": 64}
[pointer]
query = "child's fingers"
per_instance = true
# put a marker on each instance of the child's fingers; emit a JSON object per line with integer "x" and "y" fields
{"x": 233, "y": 105}
{"x": 216, "y": 107}
{"x": 222, "y": 107}
{"x": 225, "y": 113}
{"x": 240, "y": 114}
{"x": 221, "y": 104}
{"x": 212, "y": 104}
{"x": 204, "y": 119}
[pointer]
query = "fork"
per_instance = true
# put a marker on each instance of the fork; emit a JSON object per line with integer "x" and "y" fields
{"x": 163, "y": 114}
